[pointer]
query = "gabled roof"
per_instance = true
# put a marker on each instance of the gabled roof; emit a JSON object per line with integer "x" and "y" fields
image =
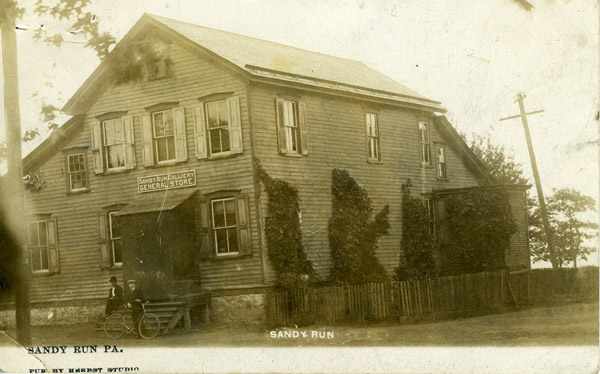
{"x": 263, "y": 60}
{"x": 467, "y": 155}
{"x": 52, "y": 144}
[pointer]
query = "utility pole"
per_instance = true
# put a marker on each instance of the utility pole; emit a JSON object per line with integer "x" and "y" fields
{"x": 536, "y": 175}
{"x": 13, "y": 196}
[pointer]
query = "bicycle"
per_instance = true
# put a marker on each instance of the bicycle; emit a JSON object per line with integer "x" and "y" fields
{"x": 116, "y": 325}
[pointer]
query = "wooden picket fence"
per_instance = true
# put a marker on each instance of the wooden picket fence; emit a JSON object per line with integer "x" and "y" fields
{"x": 451, "y": 295}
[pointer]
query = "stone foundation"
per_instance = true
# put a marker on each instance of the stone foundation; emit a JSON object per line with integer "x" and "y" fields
{"x": 60, "y": 315}
{"x": 248, "y": 309}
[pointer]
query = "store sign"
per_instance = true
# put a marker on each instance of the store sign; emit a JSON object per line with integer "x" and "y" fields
{"x": 167, "y": 181}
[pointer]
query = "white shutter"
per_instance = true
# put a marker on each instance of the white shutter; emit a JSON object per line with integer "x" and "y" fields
{"x": 235, "y": 125}
{"x": 147, "y": 140}
{"x": 303, "y": 130}
{"x": 200, "y": 132}
{"x": 97, "y": 149}
{"x": 280, "y": 125}
{"x": 180, "y": 138}
{"x": 129, "y": 142}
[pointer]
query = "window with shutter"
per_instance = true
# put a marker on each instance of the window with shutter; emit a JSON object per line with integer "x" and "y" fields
{"x": 292, "y": 131}
{"x": 42, "y": 237}
{"x": 218, "y": 128}
{"x": 113, "y": 143}
{"x": 223, "y": 226}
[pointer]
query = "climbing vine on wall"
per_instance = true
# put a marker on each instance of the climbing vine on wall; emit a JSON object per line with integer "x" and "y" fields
{"x": 283, "y": 233}
{"x": 418, "y": 246}
{"x": 481, "y": 225}
{"x": 353, "y": 234}
{"x": 34, "y": 181}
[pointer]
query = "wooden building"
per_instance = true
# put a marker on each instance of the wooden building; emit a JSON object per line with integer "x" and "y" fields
{"x": 153, "y": 179}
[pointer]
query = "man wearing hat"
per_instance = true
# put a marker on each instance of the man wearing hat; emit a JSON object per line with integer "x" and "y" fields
{"x": 135, "y": 298}
{"x": 115, "y": 297}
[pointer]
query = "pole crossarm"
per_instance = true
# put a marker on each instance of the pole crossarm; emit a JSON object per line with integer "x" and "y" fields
{"x": 521, "y": 115}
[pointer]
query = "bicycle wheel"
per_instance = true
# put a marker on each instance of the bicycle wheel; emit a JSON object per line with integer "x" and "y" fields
{"x": 149, "y": 326}
{"x": 114, "y": 326}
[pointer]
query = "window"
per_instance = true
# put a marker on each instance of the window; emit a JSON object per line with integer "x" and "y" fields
{"x": 218, "y": 127}
{"x": 217, "y": 118}
{"x": 440, "y": 152}
{"x": 109, "y": 236}
{"x": 291, "y": 125}
{"x": 430, "y": 205}
{"x": 424, "y": 146}
{"x": 38, "y": 245}
{"x": 113, "y": 143}
{"x": 222, "y": 226}
{"x": 158, "y": 69}
{"x": 77, "y": 180}
{"x": 224, "y": 219}
{"x": 42, "y": 241}
{"x": 115, "y": 238}
{"x": 372, "y": 136}
{"x": 164, "y": 135}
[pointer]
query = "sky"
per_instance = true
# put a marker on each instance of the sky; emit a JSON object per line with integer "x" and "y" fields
{"x": 473, "y": 56}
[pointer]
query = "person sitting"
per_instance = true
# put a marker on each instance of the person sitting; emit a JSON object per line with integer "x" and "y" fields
{"x": 115, "y": 298}
{"x": 135, "y": 298}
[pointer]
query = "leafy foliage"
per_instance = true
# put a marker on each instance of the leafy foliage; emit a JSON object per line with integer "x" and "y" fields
{"x": 84, "y": 22}
{"x": 499, "y": 163}
{"x": 34, "y": 181}
{"x": 418, "y": 245}
{"x": 570, "y": 232}
{"x": 480, "y": 224}
{"x": 283, "y": 233}
{"x": 352, "y": 234}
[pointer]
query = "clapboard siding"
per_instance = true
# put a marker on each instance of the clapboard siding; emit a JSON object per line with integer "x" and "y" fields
{"x": 80, "y": 276}
{"x": 337, "y": 139}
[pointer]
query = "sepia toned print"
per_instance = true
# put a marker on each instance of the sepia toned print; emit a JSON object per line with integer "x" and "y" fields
{"x": 216, "y": 201}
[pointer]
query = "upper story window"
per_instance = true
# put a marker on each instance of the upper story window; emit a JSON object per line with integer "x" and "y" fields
{"x": 291, "y": 126}
{"x": 424, "y": 144}
{"x": 42, "y": 240}
{"x": 440, "y": 152}
{"x": 164, "y": 135}
{"x": 372, "y": 137}
{"x": 76, "y": 166}
{"x": 218, "y": 127}
{"x": 113, "y": 144}
{"x": 217, "y": 118}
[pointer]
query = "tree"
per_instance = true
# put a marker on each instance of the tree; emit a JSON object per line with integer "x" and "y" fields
{"x": 498, "y": 162}
{"x": 353, "y": 234}
{"x": 570, "y": 232}
{"x": 418, "y": 246}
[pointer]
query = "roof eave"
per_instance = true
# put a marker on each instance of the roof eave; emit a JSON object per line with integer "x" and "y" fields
{"x": 471, "y": 156}
{"x": 49, "y": 146}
